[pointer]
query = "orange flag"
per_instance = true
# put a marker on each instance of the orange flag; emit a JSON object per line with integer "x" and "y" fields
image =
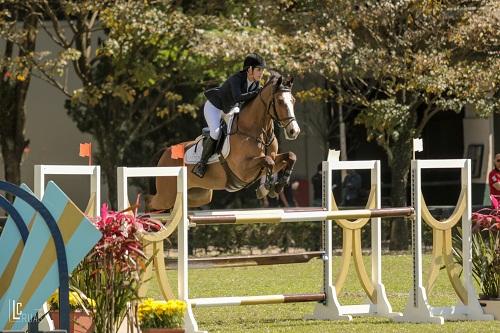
{"x": 86, "y": 151}
{"x": 178, "y": 151}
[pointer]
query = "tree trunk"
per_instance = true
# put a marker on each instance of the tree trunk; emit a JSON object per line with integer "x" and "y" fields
{"x": 14, "y": 91}
{"x": 13, "y": 140}
{"x": 109, "y": 162}
{"x": 400, "y": 167}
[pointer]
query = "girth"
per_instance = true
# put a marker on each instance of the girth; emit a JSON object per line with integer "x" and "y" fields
{"x": 233, "y": 182}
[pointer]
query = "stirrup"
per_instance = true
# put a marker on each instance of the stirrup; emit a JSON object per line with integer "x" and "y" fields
{"x": 199, "y": 169}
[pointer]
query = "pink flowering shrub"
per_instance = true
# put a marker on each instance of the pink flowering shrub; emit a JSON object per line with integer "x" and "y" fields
{"x": 110, "y": 273}
{"x": 486, "y": 251}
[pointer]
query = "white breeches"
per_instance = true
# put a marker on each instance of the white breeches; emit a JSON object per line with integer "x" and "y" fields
{"x": 212, "y": 116}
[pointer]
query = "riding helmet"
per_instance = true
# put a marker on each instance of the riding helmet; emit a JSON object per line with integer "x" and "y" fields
{"x": 254, "y": 60}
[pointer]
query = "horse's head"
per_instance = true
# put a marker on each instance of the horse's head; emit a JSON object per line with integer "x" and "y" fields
{"x": 281, "y": 106}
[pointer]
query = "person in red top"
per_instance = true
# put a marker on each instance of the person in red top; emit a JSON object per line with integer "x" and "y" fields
{"x": 494, "y": 179}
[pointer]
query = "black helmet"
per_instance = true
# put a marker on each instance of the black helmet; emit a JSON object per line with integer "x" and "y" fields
{"x": 254, "y": 60}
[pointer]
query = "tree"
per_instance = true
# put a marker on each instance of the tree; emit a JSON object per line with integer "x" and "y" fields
{"x": 397, "y": 63}
{"x": 414, "y": 66}
{"x": 132, "y": 86}
{"x": 19, "y": 28}
{"x": 130, "y": 80}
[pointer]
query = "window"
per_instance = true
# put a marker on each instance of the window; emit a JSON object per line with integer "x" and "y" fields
{"x": 475, "y": 153}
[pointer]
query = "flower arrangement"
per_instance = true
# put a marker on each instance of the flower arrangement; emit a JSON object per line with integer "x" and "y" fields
{"x": 110, "y": 273}
{"x": 81, "y": 307}
{"x": 161, "y": 314}
{"x": 77, "y": 301}
{"x": 486, "y": 251}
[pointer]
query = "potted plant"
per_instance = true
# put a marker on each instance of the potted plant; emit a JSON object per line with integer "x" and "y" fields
{"x": 161, "y": 316}
{"x": 110, "y": 273}
{"x": 486, "y": 258}
{"x": 80, "y": 319}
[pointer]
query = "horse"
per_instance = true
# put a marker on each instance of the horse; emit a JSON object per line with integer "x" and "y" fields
{"x": 253, "y": 151}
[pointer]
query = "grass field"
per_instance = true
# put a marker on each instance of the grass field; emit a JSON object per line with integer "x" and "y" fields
{"x": 305, "y": 278}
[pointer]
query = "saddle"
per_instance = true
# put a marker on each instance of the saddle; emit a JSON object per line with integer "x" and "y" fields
{"x": 193, "y": 154}
{"x": 222, "y": 149}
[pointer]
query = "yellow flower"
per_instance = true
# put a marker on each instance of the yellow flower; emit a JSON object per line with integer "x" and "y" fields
{"x": 161, "y": 314}
{"x": 76, "y": 301}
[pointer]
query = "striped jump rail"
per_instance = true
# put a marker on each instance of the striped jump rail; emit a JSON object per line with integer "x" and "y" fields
{"x": 281, "y": 216}
{"x": 249, "y": 260}
{"x": 254, "y": 300}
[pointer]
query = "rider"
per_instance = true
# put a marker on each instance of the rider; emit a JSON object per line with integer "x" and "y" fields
{"x": 237, "y": 89}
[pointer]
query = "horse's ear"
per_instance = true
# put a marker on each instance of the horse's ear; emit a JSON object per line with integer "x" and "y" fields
{"x": 278, "y": 83}
{"x": 289, "y": 82}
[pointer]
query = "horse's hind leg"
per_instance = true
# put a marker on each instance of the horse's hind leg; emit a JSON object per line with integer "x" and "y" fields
{"x": 198, "y": 197}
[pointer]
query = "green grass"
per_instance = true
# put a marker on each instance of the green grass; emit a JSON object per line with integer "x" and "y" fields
{"x": 306, "y": 278}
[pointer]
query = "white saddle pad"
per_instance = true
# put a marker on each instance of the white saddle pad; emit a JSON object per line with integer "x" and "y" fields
{"x": 193, "y": 154}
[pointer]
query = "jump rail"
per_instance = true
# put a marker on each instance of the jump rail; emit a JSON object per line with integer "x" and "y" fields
{"x": 282, "y": 216}
{"x": 249, "y": 260}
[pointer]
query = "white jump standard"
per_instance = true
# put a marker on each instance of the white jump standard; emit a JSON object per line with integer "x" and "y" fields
{"x": 94, "y": 171}
{"x": 418, "y": 308}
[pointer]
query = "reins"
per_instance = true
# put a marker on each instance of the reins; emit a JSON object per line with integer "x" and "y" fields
{"x": 266, "y": 133}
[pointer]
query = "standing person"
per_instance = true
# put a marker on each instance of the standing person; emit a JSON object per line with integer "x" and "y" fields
{"x": 494, "y": 182}
{"x": 317, "y": 183}
{"x": 351, "y": 188}
{"x": 237, "y": 89}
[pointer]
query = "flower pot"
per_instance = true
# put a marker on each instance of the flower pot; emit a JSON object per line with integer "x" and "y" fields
{"x": 80, "y": 322}
{"x": 162, "y": 330}
{"x": 491, "y": 306}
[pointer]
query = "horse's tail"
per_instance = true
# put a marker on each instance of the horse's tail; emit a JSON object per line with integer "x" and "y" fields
{"x": 156, "y": 156}
{"x": 154, "y": 162}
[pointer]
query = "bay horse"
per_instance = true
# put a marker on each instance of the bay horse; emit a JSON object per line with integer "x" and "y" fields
{"x": 253, "y": 151}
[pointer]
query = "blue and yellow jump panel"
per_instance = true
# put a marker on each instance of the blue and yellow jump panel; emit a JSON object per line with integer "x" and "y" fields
{"x": 43, "y": 241}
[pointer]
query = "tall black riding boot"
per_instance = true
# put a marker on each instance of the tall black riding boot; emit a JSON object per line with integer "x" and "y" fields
{"x": 208, "y": 149}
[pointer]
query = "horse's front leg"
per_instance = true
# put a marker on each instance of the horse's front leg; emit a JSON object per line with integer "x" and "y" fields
{"x": 283, "y": 165}
{"x": 267, "y": 163}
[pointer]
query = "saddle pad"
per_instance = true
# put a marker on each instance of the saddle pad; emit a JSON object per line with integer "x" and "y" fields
{"x": 193, "y": 154}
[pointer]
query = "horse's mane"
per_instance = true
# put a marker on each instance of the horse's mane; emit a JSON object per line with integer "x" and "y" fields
{"x": 271, "y": 81}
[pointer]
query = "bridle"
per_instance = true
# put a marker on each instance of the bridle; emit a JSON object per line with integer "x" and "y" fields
{"x": 274, "y": 114}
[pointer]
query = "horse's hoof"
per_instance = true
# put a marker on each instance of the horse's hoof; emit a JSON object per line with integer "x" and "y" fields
{"x": 261, "y": 192}
{"x": 272, "y": 194}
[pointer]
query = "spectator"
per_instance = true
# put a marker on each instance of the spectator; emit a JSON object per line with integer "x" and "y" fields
{"x": 494, "y": 181}
{"x": 351, "y": 188}
{"x": 317, "y": 183}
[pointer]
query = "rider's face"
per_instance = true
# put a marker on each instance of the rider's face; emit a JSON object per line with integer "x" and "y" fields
{"x": 255, "y": 73}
